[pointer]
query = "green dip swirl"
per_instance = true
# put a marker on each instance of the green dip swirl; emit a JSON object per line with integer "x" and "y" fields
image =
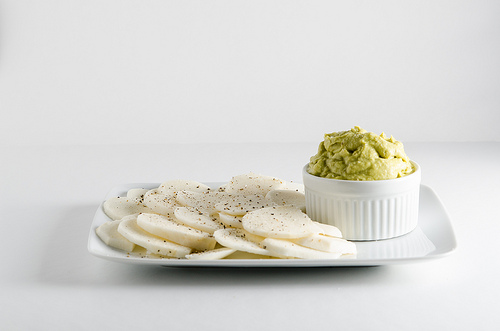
{"x": 360, "y": 155}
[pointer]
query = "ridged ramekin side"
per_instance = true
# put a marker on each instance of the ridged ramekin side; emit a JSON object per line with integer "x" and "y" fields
{"x": 365, "y": 210}
{"x": 366, "y": 219}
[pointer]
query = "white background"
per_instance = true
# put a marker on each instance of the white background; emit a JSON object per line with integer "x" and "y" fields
{"x": 95, "y": 94}
{"x": 104, "y": 72}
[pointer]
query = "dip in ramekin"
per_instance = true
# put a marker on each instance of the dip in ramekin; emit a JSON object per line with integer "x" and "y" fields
{"x": 364, "y": 184}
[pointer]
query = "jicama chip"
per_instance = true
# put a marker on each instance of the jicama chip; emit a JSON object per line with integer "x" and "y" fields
{"x": 240, "y": 240}
{"x": 252, "y": 184}
{"x": 288, "y": 198}
{"x": 280, "y": 222}
{"x": 154, "y": 244}
{"x": 231, "y": 220}
{"x": 289, "y": 249}
{"x": 215, "y": 254}
{"x": 108, "y": 232}
{"x": 327, "y": 244}
{"x": 168, "y": 228}
{"x": 329, "y": 230}
{"x": 239, "y": 205}
{"x": 163, "y": 204}
{"x": 203, "y": 201}
{"x": 176, "y": 185}
{"x": 137, "y": 193}
{"x": 118, "y": 207}
{"x": 194, "y": 218}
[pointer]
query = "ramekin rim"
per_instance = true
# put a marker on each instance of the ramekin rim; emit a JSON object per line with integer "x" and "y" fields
{"x": 417, "y": 170}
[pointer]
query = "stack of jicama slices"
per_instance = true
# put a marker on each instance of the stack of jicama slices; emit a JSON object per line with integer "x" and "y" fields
{"x": 261, "y": 216}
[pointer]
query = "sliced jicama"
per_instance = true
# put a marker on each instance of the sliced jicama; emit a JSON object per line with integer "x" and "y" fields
{"x": 239, "y": 205}
{"x": 111, "y": 237}
{"x": 203, "y": 201}
{"x": 163, "y": 204}
{"x": 231, "y": 220}
{"x": 329, "y": 230}
{"x": 194, "y": 218}
{"x": 215, "y": 254}
{"x": 288, "y": 198}
{"x": 154, "y": 244}
{"x": 176, "y": 185}
{"x": 252, "y": 184}
{"x": 327, "y": 244}
{"x": 118, "y": 207}
{"x": 136, "y": 193}
{"x": 280, "y": 222}
{"x": 240, "y": 240}
{"x": 166, "y": 227}
{"x": 252, "y": 215}
{"x": 290, "y": 249}
{"x": 297, "y": 187}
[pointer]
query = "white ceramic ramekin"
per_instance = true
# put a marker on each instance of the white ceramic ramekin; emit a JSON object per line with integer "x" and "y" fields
{"x": 365, "y": 210}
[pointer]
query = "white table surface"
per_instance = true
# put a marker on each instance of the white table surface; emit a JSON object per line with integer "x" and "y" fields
{"x": 49, "y": 281}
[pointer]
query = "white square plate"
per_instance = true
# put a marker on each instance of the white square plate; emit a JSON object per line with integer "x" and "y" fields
{"x": 433, "y": 238}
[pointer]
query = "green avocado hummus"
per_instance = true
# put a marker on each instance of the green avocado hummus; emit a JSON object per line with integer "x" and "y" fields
{"x": 360, "y": 155}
